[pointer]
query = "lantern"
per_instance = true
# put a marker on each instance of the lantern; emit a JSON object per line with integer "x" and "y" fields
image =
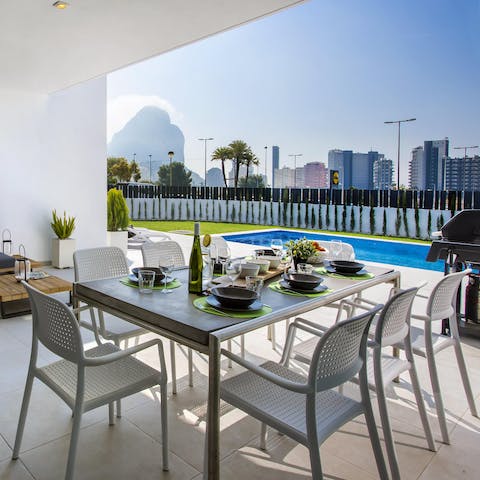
{"x": 7, "y": 242}
{"x": 22, "y": 265}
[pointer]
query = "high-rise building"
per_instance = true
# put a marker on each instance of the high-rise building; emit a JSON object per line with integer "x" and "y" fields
{"x": 435, "y": 153}
{"x": 417, "y": 173}
{"x": 275, "y": 162}
{"x": 354, "y": 169}
{"x": 315, "y": 175}
{"x": 284, "y": 177}
{"x": 462, "y": 173}
{"x": 341, "y": 161}
{"x": 382, "y": 173}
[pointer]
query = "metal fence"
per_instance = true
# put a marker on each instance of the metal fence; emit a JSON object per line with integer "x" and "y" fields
{"x": 428, "y": 199}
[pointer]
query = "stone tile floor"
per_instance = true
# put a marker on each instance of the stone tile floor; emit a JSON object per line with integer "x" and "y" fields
{"x": 131, "y": 448}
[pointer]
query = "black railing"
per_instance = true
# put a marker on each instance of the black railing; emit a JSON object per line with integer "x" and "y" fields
{"x": 427, "y": 199}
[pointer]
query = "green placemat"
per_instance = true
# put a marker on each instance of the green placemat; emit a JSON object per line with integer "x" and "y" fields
{"x": 365, "y": 276}
{"x": 173, "y": 284}
{"x": 320, "y": 270}
{"x": 201, "y": 304}
{"x": 276, "y": 287}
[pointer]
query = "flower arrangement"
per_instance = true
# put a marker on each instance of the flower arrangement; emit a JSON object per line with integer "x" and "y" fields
{"x": 305, "y": 249}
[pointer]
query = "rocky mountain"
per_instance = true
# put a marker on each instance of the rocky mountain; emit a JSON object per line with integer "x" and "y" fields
{"x": 149, "y": 132}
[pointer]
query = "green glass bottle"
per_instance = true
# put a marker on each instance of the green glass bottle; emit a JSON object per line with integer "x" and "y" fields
{"x": 196, "y": 263}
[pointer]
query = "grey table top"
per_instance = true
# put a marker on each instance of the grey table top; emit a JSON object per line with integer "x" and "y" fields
{"x": 175, "y": 312}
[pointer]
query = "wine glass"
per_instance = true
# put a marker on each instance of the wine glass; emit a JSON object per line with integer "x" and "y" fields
{"x": 232, "y": 269}
{"x": 167, "y": 264}
{"x": 277, "y": 246}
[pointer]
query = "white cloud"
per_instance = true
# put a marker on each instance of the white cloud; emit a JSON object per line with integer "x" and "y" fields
{"x": 121, "y": 109}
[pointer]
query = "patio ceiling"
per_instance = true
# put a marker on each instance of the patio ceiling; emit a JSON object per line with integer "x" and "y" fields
{"x": 43, "y": 49}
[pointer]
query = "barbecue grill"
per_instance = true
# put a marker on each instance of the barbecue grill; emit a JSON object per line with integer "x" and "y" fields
{"x": 459, "y": 245}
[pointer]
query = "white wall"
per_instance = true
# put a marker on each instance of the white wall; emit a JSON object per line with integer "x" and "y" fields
{"x": 53, "y": 155}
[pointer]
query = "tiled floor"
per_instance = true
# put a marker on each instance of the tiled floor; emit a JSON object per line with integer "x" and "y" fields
{"x": 131, "y": 448}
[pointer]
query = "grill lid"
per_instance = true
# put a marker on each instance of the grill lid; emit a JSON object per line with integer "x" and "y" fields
{"x": 463, "y": 227}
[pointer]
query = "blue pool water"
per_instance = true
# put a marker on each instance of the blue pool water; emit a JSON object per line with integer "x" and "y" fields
{"x": 381, "y": 251}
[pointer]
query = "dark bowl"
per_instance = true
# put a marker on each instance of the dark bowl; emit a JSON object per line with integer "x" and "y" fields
{"x": 344, "y": 266}
{"x": 303, "y": 281}
{"x": 234, "y": 297}
{"x": 158, "y": 273}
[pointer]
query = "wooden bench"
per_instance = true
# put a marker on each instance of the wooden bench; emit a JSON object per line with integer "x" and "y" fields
{"x": 14, "y": 298}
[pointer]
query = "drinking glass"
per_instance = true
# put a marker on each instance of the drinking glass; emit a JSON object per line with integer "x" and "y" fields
{"x": 232, "y": 269}
{"x": 146, "y": 279}
{"x": 277, "y": 246}
{"x": 166, "y": 266}
{"x": 255, "y": 284}
{"x": 305, "y": 268}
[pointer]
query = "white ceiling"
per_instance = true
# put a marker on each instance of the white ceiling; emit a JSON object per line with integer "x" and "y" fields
{"x": 43, "y": 49}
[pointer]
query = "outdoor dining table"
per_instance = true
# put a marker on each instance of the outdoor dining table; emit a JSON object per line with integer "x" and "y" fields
{"x": 174, "y": 316}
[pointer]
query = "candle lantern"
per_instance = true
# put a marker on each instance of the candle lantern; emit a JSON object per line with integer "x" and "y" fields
{"x": 22, "y": 265}
{"x": 7, "y": 242}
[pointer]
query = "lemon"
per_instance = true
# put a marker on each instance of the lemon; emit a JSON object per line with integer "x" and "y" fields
{"x": 207, "y": 240}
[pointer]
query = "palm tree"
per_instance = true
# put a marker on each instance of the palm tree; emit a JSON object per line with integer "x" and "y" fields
{"x": 240, "y": 151}
{"x": 250, "y": 159}
{"x": 223, "y": 154}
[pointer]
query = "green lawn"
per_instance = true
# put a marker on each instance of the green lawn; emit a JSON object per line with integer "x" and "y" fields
{"x": 220, "y": 228}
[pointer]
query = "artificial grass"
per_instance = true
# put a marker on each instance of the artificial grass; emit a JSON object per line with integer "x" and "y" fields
{"x": 221, "y": 228}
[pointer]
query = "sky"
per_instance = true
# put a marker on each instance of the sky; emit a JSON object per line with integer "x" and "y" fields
{"x": 323, "y": 75}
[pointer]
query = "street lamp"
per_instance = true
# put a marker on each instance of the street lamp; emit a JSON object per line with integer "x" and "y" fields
{"x": 170, "y": 155}
{"x": 266, "y": 148}
{"x": 295, "y": 155}
{"x": 464, "y": 161}
{"x": 205, "y": 140}
{"x": 398, "y": 151}
{"x": 150, "y": 167}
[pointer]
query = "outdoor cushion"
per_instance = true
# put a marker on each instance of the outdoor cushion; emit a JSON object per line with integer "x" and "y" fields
{"x": 6, "y": 261}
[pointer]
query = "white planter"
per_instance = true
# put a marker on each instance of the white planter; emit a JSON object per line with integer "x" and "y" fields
{"x": 118, "y": 239}
{"x": 62, "y": 252}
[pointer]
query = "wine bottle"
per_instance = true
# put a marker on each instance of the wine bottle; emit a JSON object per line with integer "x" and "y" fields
{"x": 196, "y": 263}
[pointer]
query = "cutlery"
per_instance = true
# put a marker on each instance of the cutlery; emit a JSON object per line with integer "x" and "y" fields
{"x": 215, "y": 310}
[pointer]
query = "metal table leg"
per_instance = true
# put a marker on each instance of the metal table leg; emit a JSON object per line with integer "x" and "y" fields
{"x": 212, "y": 460}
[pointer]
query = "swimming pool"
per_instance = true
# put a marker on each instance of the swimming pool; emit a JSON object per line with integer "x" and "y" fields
{"x": 381, "y": 251}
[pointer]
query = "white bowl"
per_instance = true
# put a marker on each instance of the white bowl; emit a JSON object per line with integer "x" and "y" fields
{"x": 274, "y": 261}
{"x": 249, "y": 270}
{"x": 264, "y": 264}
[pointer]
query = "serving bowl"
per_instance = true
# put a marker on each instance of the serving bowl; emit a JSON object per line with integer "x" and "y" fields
{"x": 159, "y": 276}
{"x": 273, "y": 259}
{"x": 303, "y": 281}
{"x": 344, "y": 266}
{"x": 249, "y": 269}
{"x": 263, "y": 264}
{"x": 234, "y": 297}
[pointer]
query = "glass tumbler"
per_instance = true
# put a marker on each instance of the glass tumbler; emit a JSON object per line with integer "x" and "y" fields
{"x": 146, "y": 279}
{"x": 255, "y": 284}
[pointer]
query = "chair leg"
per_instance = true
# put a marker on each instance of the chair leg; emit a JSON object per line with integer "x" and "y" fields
{"x": 111, "y": 414}
{"x": 242, "y": 346}
{"x": 119, "y": 402}
{"x": 163, "y": 411}
{"x": 437, "y": 394}
{"x": 190, "y": 367}
{"x": 387, "y": 429}
{"x": 466, "y": 382}
{"x": 72, "y": 451}
{"x": 23, "y": 415}
{"x": 229, "y": 348}
{"x": 421, "y": 407}
{"x": 263, "y": 436}
{"x": 173, "y": 366}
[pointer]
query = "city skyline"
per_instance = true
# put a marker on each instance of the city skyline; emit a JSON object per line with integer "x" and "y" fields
{"x": 320, "y": 76}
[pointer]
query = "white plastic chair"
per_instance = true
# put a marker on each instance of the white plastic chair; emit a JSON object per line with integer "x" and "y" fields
{"x": 94, "y": 264}
{"x": 391, "y": 328}
{"x": 138, "y": 236}
{"x": 152, "y": 254}
{"x": 308, "y": 409}
{"x": 426, "y": 343}
{"x": 85, "y": 379}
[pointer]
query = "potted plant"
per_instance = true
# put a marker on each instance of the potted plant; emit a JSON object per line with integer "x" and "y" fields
{"x": 117, "y": 220}
{"x": 63, "y": 246}
{"x": 305, "y": 251}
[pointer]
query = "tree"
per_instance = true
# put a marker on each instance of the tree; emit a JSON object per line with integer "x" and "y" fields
{"x": 254, "y": 181}
{"x": 135, "y": 171}
{"x": 239, "y": 151}
{"x": 223, "y": 154}
{"x": 177, "y": 173}
{"x": 250, "y": 159}
{"x": 119, "y": 170}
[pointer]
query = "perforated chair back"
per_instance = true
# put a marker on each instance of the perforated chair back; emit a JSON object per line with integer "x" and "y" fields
{"x": 339, "y": 354}
{"x": 346, "y": 253}
{"x": 101, "y": 262}
{"x": 443, "y": 297}
{"x": 55, "y": 325}
{"x": 153, "y": 253}
{"x": 393, "y": 323}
